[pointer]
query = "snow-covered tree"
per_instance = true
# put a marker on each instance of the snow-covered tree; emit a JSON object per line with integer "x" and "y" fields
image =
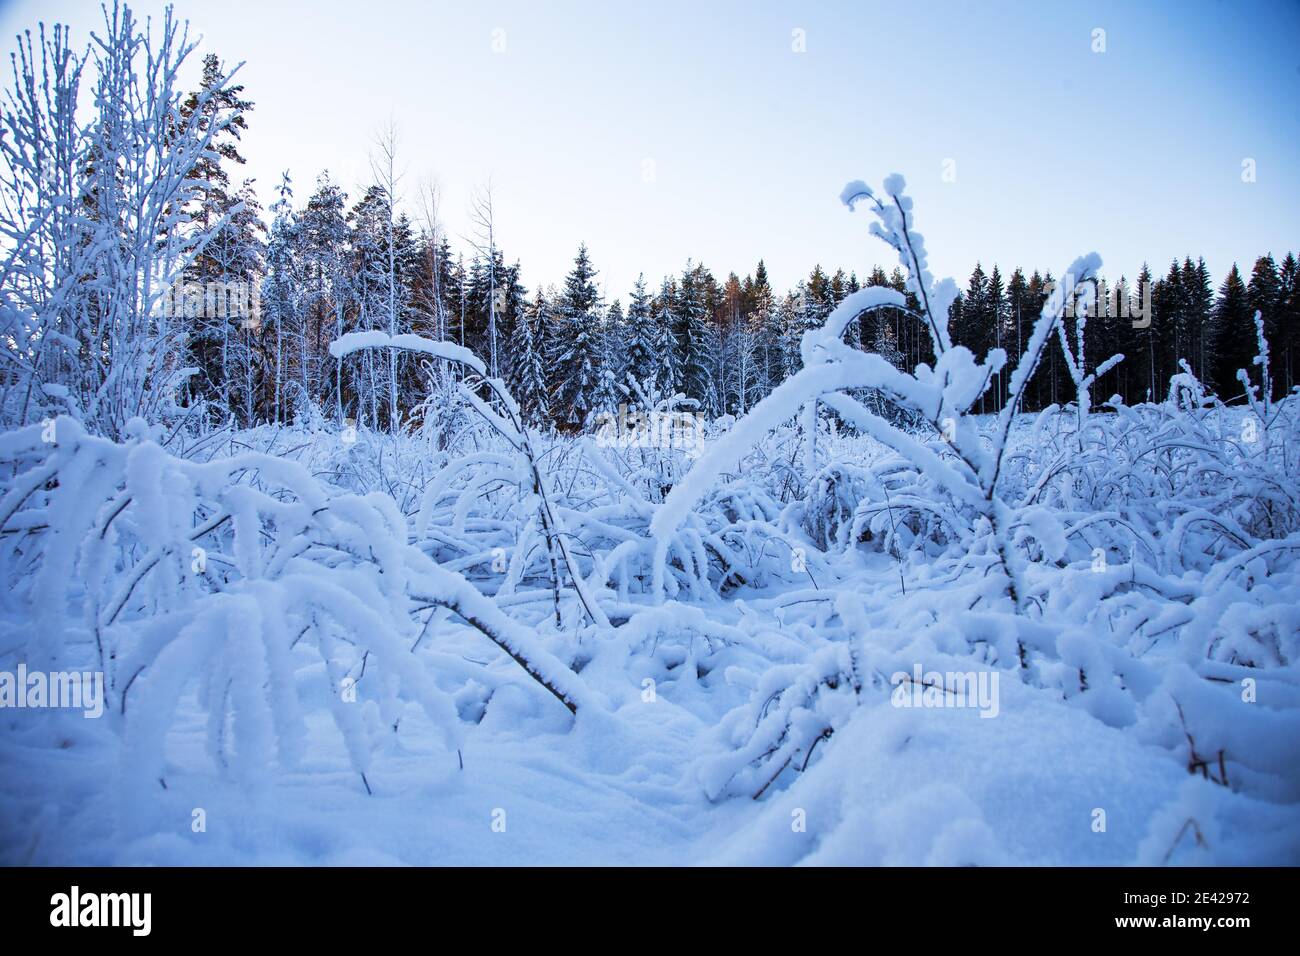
{"x": 576, "y": 349}
{"x": 668, "y": 371}
{"x": 94, "y": 212}
{"x": 281, "y": 291}
{"x": 613, "y": 357}
{"x": 527, "y": 372}
{"x": 642, "y": 342}
{"x": 692, "y": 319}
{"x": 223, "y": 339}
{"x": 328, "y": 281}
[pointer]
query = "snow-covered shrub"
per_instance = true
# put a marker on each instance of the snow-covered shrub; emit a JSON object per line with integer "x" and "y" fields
{"x": 505, "y": 419}
{"x": 962, "y": 467}
{"x": 831, "y": 502}
{"x": 653, "y": 437}
{"x": 1140, "y": 564}
{"x": 793, "y": 708}
{"x": 224, "y": 573}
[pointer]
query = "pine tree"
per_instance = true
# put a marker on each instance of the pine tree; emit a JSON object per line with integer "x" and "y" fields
{"x": 1234, "y": 336}
{"x": 1143, "y": 355}
{"x": 1127, "y": 380}
{"x": 237, "y": 251}
{"x": 613, "y": 358}
{"x": 864, "y": 330}
{"x": 1178, "y": 315}
{"x": 1287, "y": 347}
{"x": 996, "y": 307}
{"x": 281, "y": 290}
{"x": 1020, "y": 315}
{"x": 234, "y": 254}
{"x": 1199, "y": 292}
{"x": 818, "y": 300}
{"x": 1106, "y": 332}
{"x": 212, "y": 100}
{"x": 790, "y": 325}
{"x": 669, "y": 375}
{"x": 763, "y": 323}
{"x": 691, "y": 331}
{"x": 381, "y": 297}
{"x": 576, "y": 353}
{"x": 731, "y": 366}
{"x": 513, "y": 298}
{"x": 971, "y": 328}
{"x": 839, "y": 287}
{"x": 449, "y": 280}
{"x": 526, "y": 378}
{"x": 642, "y": 341}
{"x": 1049, "y": 379}
{"x": 327, "y": 274}
{"x": 761, "y": 281}
{"x": 1264, "y": 295}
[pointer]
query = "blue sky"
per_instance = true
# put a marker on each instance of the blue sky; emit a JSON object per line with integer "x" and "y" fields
{"x": 1135, "y": 152}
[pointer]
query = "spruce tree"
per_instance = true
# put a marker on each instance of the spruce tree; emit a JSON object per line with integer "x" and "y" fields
{"x": 970, "y": 327}
{"x": 1264, "y": 294}
{"x": 818, "y": 300}
{"x": 1287, "y": 348}
{"x": 327, "y": 289}
{"x": 613, "y": 358}
{"x": 526, "y": 376}
{"x": 281, "y": 291}
{"x": 1234, "y": 336}
{"x": 690, "y": 332}
{"x": 234, "y": 254}
{"x": 763, "y": 324}
{"x": 1199, "y": 291}
{"x": 642, "y": 341}
{"x": 996, "y": 306}
{"x": 669, "y": 374}
{"x": 578, "y": 344}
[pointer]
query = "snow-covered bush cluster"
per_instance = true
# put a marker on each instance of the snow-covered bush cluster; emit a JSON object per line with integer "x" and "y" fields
{"x": 717, "y": 638}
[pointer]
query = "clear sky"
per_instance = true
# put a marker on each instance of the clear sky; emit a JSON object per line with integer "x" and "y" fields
{"x": 663, "y": 131}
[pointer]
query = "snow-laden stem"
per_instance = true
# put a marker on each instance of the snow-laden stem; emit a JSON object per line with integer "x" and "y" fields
{"x": 943, "y": 396}
{"x": 512, "y": 428}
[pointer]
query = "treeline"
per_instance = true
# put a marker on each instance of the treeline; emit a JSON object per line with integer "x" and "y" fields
{"x": 333, "y": 265}
{"x": 724, "y": 344}
{"x": 1188, "y": 321}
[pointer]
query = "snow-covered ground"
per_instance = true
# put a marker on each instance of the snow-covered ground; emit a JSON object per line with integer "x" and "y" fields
{"x": 650, "y": 775}
{"x": 899, "y": 786}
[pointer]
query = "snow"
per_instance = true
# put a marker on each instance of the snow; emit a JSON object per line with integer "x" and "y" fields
{"x": 894, "y": 787}
{"x": 352, "y": 342}
{"x": 640, "y": 781}
{"x": 499, "y": 646}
